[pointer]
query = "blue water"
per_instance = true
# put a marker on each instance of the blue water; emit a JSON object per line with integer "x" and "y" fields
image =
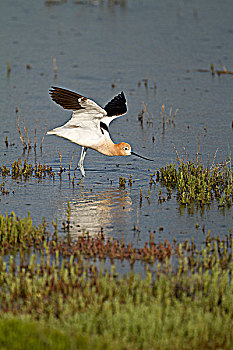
{"x": 101, "y": 49}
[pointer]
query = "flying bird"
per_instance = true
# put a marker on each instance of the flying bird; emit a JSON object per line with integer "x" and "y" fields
{"x": 88, "y": 126}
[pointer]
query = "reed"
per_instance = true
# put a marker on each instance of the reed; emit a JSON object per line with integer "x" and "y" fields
{"x": 163, "y": 117}
{"x": 149, "y": 121}
{"x": 55, "y": 69}
{"x": 214, "y": 71}
{"x": 35, "y": 135}
{"x": 60, "y": 158}
{"x": 6, "y": 142}
{"x": 20, "y": 133}
{"x": 26, "y": 132}
{"x": 28, "y": 144}
{"x": 8, "y": 68}
{"x": 71, "y": 163}
{"x": 44, "y": 133}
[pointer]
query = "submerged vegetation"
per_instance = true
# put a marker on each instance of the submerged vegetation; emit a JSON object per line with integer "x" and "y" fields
{"x": 22, "y": 137}
{"x": 198, "y": 183}
{"x": 20, "y": 235}
{"x": 183, "y": 302}
{"x": 67, "y": 293}
{"x": 21, "y": 169}
{"x": 192, "y": 182}
{"x": 217, "y": 72}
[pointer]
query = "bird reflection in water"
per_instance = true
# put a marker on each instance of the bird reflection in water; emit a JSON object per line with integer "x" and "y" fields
{"x": 102, "y": 211}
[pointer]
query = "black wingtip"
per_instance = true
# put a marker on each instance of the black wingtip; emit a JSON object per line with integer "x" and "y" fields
{"x": 117, "y": 106}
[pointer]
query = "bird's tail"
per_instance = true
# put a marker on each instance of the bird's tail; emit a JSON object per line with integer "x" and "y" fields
{"x": 55, "y": 131}
{"x": 51, "y": 132}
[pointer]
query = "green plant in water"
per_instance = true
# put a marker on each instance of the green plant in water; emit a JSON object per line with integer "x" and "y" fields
{"x": 189, "y": 306}
{"x": 197, "y": 182}
{"x": 22, "y": 170}
{"x": 122, "y": 181}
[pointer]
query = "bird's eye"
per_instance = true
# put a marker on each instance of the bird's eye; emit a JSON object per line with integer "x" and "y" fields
{"x": 126, "y": 148}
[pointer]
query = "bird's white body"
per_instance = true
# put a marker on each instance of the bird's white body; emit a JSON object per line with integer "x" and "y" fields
{"x": 84, "y": 133}
{"x": 88, "y": 126}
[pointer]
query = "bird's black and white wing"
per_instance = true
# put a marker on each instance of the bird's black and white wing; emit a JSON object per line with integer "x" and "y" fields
{"x": 117, "y": 106}
{"x": 66, "y": 98}
{"x": 87, "y": 113}
{"x": 83, "y": 108}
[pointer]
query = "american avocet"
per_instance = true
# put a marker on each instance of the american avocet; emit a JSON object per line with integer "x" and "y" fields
{"x": 88, "y": 126}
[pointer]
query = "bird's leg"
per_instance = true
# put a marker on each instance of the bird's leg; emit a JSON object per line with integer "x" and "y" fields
{"x": 81, "y": 160}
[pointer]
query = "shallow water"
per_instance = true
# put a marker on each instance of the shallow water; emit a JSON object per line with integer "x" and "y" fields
{"x": 97, "y": 44}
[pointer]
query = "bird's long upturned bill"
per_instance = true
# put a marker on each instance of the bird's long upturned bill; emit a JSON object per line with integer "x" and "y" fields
{"x": 135, "y": 154}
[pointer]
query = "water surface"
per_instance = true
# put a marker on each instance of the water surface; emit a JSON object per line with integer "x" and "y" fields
{"x": 101, "y": 49}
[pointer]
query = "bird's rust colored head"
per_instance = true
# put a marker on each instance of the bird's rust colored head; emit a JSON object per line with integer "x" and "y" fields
{"x": 123, "y": 149}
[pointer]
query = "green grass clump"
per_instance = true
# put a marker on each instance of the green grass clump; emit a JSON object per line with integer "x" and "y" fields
{"x": 56, "y": 300}
{"x": 3, "y": 189}
{"x": 22, "y": 170}
{"x": 196, "y": 182}
{"x": 16, "y": 233}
